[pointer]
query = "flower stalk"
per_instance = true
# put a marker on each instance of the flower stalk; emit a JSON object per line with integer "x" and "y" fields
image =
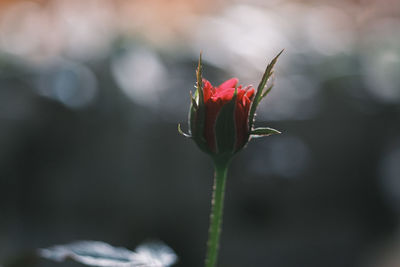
{"x": 217, "y": 207}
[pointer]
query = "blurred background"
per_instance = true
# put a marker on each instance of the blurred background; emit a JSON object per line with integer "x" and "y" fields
{"x": 91, "y": 93}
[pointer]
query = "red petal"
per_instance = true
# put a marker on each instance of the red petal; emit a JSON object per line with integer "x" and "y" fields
{"x": 223, "y": 94}
{"x": 250, "y": 93}
{"x": 207, "y": 90}
{"x": 240, "y": 94}
{"x": 231, "y": 83}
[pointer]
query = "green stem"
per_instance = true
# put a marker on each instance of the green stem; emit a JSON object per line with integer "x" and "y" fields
{"x": 217, "y": 206}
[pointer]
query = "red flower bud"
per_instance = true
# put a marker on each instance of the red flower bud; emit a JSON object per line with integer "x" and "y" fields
{"x": 217, "y": 97}
{"x": 221, "y": 118}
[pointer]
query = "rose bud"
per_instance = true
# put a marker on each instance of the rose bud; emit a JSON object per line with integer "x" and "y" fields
{"x": 221, "y": 118}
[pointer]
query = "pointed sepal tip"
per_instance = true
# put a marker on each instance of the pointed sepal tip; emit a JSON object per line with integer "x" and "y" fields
{"x": 182, "y": 132}
{"x": 263, "y": 131}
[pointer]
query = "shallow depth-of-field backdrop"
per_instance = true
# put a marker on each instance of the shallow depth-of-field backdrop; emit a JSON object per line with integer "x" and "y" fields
{"x": 91, "y": 93}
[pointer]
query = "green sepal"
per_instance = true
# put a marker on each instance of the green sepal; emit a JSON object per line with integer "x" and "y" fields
{"x": 197, "y": 112}
{"x": 267, "y": 91}
{"x": 200, "y": 111}
{"x": 192, "y": 114}
{"x": 199, "y": 82}
{"x": 193, "y": 101}
{"x": 263, "y": 131}
{"x": 196, "y": 127}
{"x": 182, "y": 132}
{"x": 225, "y": 128}
{"x": 260, "y": 89}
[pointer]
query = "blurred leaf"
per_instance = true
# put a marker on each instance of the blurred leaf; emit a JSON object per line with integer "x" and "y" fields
{"x": 155, "y": 254}
{"x": 97, "y": 253}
